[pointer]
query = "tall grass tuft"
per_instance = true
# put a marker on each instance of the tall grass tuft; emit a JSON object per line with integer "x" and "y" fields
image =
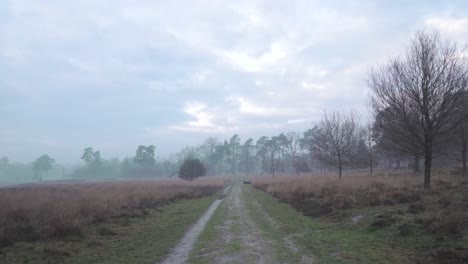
{"x": 321, "y": 194}
{"x": 35, "y": 212}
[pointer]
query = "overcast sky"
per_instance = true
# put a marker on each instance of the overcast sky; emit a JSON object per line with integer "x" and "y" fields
{"x": 116, "y": 74}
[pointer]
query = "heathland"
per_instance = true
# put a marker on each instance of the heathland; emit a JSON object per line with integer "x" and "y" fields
{"x": 113, "y": 222}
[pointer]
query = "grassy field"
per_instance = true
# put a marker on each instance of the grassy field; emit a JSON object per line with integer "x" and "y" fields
{"x": 385, "y": 219}
{"x": 128, "y": 222}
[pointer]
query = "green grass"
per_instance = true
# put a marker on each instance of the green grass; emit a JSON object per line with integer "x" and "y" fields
{"x": 271, "y": 233}
{"x": 209, "y": 235}
{"x": 335, "y": 239}
{"x": 209, "y": 238}
{"x": 235, "y": 230}
{"x": 145, "y": 239}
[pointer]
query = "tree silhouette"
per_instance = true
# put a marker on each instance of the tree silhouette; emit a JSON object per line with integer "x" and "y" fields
{"x": 191, "y": 169}
{"x": 42, "y": 165}
{"x": 421, "y": 93}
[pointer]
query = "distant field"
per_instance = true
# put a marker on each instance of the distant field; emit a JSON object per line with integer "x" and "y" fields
{"x": 44, "y": 223}
{"x": 386, "y": 218}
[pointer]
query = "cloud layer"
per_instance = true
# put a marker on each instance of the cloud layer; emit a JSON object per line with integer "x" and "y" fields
{"x": 116, "y": 74}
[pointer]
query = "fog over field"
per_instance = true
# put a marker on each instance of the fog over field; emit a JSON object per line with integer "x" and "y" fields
{"x": 115, "y": 74}
{"x": 251, "y": 131}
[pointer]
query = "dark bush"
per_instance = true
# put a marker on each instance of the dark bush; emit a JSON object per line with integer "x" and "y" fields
{"x": 415, "y": 208}
{"x": 448, "y": 223}
{"x": 383, "y": 220}
{"x": 450, "y": 255}
{"x": 405, "y": 229}
{"x": 191, "y": 169}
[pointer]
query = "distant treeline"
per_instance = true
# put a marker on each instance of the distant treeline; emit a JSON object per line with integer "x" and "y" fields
{"x": 419, "y": 103}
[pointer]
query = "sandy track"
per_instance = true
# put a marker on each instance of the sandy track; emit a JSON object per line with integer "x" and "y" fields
{"x": 239, "y": 238}
{"x": 254, "y": 248}
{"x": 180, "y": 253}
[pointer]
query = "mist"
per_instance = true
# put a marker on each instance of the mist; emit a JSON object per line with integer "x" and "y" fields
{"x": 242, "y": 131}
{"x": 114, "y": 76}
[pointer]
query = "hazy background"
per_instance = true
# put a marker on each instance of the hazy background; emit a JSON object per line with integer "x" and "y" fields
{"x": 117, "y": 74}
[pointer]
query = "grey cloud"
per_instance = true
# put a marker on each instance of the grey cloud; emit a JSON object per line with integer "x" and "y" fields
{"x": 115, "y": 74}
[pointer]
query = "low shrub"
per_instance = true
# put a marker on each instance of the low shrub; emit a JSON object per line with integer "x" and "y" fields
{"x": 439, "y": 214}
{"x": 442, "y": 223}
{"x": 36, "y": 212}
{"x": 307, "y": 192}
{"x": 416, "y": 208}
{"x": 406, "y": 229}
{"x": 383, "y": 220}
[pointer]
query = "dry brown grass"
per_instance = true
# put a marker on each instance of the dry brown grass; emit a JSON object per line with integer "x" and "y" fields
{"x": 316, "y": 195}
{"x": 431, "y": 223}
{"x": 45, "y": 211}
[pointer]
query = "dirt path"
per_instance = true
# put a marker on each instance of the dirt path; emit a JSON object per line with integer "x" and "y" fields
{"x": 180, "y": 253}
{"x": 240, "y": 235}
{"x": 242, "y": 232}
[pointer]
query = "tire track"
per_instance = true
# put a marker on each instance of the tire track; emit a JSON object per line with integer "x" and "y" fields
{"x": 239, "y": 239}
{"x": 180, "y": 253}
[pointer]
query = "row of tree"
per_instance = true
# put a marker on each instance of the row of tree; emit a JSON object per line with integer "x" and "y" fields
{"x": 420, "y": 112}
{"x": 420, "y": 107}
{"x": 42, "y": 168}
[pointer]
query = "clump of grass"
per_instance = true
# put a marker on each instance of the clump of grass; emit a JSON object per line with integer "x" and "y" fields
{"x": 106, "y": 231}
{"x": 318, "y": 195}
{"x": 448, "y": 222}
{"x": 395, "y": 203}
{"x": 36, "y": 212}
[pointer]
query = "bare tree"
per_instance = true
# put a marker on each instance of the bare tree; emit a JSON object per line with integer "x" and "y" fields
{"x": 293, "y": 146}
{"x": 274, "y": 149}
{"x": 370, "y": 147}
{"x": 461, "y": 141}
{"x": 208, "y": 149}
{"x": 336, "y": 139}
{"x": 282, "y": 143}
{"x": 247, "y": 157}
{"x": 307, "y": 144}
{"x": 262, "y": 152}
{"x": 420, "y": 92}
{"x": 458, "y": 140}
{"x": 395, "y": 140}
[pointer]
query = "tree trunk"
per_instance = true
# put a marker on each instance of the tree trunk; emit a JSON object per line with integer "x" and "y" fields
{"x": 371, "y": 152}
{"x": 416, "y": 163}
{"x": 340, "y": 166}
{"x": 272, "y": 163}
{"x": 463, "y": 156}
{"x": 427, "y": 164}
{"x": 311, "y": 157}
